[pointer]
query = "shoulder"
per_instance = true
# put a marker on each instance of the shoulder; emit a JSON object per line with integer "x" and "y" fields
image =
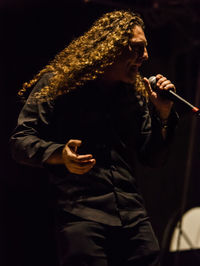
{"x": 42, "y": 82}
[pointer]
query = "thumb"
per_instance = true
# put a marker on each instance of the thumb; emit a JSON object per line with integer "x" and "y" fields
{"x": 73, "y": 144}
{"x": 147, "y": 86}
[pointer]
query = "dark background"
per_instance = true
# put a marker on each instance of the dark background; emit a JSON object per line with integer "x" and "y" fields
{"x": 32, "y": 32}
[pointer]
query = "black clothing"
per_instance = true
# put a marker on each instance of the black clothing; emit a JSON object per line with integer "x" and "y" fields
{"x": 113, "y": 124}
{"x": 84, "y": 242}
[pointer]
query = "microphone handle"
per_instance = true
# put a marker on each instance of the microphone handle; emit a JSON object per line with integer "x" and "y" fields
{"x": 173, "y": 95}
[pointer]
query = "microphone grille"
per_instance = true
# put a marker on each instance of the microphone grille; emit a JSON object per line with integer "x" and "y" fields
{"x": 152, "y": 81}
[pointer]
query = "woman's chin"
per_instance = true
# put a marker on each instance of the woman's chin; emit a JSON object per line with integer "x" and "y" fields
{"x": 132, "y": 78}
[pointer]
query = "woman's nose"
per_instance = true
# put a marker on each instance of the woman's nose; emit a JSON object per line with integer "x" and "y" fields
{"x": 145, "y": 54}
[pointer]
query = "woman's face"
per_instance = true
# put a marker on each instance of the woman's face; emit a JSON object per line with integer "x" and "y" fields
{"x": 128, "y": 62}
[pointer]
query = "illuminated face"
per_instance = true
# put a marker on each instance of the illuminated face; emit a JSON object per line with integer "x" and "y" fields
{"x": 127, "y": 64}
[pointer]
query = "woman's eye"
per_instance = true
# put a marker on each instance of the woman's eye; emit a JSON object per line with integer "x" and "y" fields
{"x": 138, "y": 49}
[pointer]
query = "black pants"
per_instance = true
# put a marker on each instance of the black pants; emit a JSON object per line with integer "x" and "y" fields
{"x": 87, "y": 243}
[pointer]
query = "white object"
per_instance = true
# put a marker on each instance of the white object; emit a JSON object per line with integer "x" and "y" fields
{"x": 189, "y": 236}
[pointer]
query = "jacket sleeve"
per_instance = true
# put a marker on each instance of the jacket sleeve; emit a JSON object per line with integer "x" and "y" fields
{"x": 31, "y": 142}
{"x": 155, "y": 150}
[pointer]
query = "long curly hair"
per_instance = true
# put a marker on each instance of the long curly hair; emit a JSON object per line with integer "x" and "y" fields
{"x": 87, "y": 57}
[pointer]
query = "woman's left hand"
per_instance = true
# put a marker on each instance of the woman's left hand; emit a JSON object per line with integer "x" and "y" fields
{"x": 162, "y": 105}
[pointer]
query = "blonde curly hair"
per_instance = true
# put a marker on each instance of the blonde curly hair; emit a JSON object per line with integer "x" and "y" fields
{"x": 87, "y": 57}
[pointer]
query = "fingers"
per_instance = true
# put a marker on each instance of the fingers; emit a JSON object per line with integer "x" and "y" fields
{"x": 163, "y": 83}
{"x": 76, "y": 157}
{"x": 81, "y": 168}
{"x": 71, "y": 149}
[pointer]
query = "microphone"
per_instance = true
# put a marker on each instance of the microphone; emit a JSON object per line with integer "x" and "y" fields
{"x": 171, "y": 95}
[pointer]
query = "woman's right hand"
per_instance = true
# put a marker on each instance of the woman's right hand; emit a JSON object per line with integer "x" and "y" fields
{"x": 74, "y": 162}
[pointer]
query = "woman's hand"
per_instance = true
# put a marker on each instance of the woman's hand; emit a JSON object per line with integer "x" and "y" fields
{"x": 162, "y": 105}
{"x": 75, "y": 163}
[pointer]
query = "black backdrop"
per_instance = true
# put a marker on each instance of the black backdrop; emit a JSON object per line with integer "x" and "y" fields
{"x": 31, "y": 34}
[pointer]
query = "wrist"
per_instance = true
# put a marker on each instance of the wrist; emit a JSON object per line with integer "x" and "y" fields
{"x": 163, "y": 119}
{"x": 164, "y": 115}
{"x": 55, "y": 158}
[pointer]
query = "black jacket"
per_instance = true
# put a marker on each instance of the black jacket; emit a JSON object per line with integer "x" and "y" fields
{"x": 114, "y": 125}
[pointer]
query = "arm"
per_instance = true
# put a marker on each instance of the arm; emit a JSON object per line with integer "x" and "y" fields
{"x": 161, "y": 123}
{"x": 162, "y": 106}
{"x": 33, "y": 141}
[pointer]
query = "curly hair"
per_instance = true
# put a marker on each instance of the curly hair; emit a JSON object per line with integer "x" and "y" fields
{"x": 87, "y": 57}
